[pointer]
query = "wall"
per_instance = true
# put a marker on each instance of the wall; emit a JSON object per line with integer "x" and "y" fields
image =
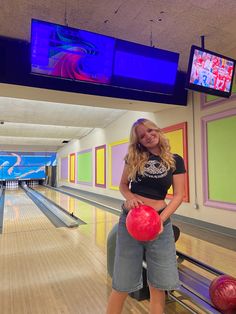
{"x": 192, "y": 114}
{"x": 116, "y": 131}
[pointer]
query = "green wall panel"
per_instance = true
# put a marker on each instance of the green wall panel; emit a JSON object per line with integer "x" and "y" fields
{"x": 84, "y": 167}
{"x": 221, "y": 139}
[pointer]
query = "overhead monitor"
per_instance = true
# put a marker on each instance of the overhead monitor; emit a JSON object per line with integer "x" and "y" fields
{"x": 84, "y": 56}
{"x": 210, "y": 72}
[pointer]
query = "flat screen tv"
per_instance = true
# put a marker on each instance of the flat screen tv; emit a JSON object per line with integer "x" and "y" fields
{"x": 76, "y": 54}
{"x": 210, "y": 72}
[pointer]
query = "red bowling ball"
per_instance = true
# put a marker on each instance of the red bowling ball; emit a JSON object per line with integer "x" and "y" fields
{"x": 222, "y": 292}
{"x": 143, "y": 223}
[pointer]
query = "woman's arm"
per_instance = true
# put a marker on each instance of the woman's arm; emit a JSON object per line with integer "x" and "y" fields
{"x": 178, "y": 189}
{"x": 131, "y": 199}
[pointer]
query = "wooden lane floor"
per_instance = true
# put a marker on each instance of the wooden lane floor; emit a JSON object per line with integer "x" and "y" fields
{"x": 216, "y": 256}
{"x": 59, "y": 270}
{"x": 210, "y": 254}
{"x": 50, "y": 270}
{"x": 21, "y": 214}
{"x": 88, "y": 213}
{"x": 55, "y": 270}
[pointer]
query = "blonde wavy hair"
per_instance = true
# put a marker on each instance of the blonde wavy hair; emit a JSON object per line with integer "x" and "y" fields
{"x": 138, "y": 155}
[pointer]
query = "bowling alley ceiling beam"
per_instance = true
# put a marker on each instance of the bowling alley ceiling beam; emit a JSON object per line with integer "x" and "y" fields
{"x": 25, "y": 92}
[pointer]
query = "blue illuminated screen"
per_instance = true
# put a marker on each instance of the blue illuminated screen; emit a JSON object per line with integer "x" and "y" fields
{"x": 76, "y": 54}
{"x": 20, "y": 166}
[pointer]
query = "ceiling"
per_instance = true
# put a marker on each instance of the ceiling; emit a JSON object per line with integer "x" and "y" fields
{"x": 35, "y": 119}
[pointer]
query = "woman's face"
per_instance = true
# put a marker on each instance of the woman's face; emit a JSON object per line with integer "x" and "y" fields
{"x": 147, "y": 136}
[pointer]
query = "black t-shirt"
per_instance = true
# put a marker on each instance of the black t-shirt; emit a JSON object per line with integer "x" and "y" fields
{"x": 156, "y": 179}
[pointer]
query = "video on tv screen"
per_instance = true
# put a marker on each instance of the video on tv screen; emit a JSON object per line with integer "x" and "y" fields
{"x": 71, "y": 53}
{"x": 210, "y": 72}
{"x": 75, "y": 54}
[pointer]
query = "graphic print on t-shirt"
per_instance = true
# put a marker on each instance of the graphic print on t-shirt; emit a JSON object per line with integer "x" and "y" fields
{"x": 155, "y": 169}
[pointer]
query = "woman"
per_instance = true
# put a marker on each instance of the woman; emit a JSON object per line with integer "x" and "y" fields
{"x": 150, "y": 169}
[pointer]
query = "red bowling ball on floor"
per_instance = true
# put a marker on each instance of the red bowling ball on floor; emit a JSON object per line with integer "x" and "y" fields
{"x": 222, "y": 292}
{"x": 143, "y": 223}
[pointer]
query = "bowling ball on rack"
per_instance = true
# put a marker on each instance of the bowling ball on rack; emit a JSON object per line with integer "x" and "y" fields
{"x": 143, "y": 223}
{"x": 222, "y": 291}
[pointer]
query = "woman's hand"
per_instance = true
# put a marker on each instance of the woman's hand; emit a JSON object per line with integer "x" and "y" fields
{"x": 132, "y": 203}
{"x": 161, "y": 228}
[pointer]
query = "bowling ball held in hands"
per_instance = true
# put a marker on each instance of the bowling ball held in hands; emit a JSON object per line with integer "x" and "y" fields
{"x": 143, "y": 223}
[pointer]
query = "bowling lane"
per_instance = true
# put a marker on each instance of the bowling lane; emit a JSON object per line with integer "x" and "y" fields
{"x": 43, "y": 268}
{"x": 90, "y": 214}
{"x": 214, "y": 255}
{"x": 98, "y": 221}
{"x": 221, "y": 258}
{"x": 21, "y": 214}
